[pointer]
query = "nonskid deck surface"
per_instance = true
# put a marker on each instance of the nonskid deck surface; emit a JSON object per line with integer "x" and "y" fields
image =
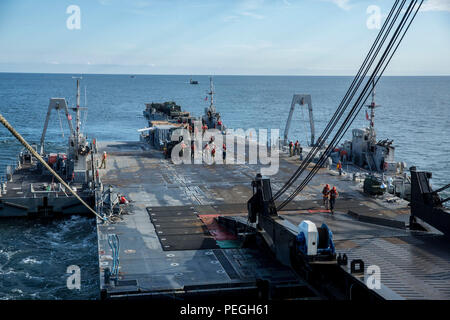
{"x": 413, "y": 264}
{"x": 150, "y": 181}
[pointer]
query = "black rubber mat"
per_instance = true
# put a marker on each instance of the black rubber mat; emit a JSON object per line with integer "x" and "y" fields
{"x": 179, "y": 228}
{"x": 187, "y": 242}
{"x": 186, "y": 219}
{"x": 180, "y": 231}
{"x": 170, "y": 214}
{"x": 183, "y": 224}
{"x": 226, "y": 264}
{"x": 170, "y": 208}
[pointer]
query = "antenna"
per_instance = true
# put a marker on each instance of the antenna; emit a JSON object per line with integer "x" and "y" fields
{"x": 211, "y": 93}
{"x": 372, "y": 107}
{"x": 78, "y": 112}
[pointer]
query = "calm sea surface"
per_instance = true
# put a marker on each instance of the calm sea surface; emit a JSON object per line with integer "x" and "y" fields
{"x": 414, "y": 112}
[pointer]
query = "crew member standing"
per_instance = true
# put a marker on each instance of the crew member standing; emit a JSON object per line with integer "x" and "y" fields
{"x": 206, "y": 152}
{"x": 296, "y": 148}
{"x": 291, "y": 146}
{"x": 192, "y": 149}
{"x": 333, "y": 195}
{"x": 183, "y": 146}
{"x": 213, "y": 152}
{"x": 325, "y": 195}
{"x": 339, "y": 167}
{"x": 224, "y": 152}
{"x": 103, "y": 164}
{"x": 343, "y": 156}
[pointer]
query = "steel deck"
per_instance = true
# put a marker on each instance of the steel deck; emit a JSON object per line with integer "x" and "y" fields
{"x": 149, "y": 180}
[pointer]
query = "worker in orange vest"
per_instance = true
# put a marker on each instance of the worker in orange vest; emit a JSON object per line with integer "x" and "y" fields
{"x": 325, "y": 195}
{"x": 333, "y": 196}
{"x": 339, "y": 167}
{"x": 296, "y": 144}
{"x": 213, "y": 151}
{"x": 123, "y": 200}
{"x": 103, "y": 164}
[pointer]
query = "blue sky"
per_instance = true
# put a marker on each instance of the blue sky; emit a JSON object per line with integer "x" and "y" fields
{"x": 261, "y": 37}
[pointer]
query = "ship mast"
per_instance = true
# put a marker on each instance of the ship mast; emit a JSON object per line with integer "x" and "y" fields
{"x": 211, "y": 92}
{"x": 77, "y": 133}
{"x": 372, "y": 106}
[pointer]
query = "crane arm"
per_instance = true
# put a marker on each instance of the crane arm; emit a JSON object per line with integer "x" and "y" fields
{"x": 300, "y": 99}
{"x": 57, "y": 104}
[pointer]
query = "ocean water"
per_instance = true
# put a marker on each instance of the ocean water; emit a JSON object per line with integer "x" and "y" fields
{"x": 34, "y": 256}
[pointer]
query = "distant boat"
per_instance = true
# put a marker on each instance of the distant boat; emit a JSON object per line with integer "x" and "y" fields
{"x": 193, "y": 81}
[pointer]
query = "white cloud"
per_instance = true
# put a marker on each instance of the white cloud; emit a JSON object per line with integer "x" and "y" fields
{"x": 246, "y": 8}
{"x": 343, "y": 4}
{"x": 436, "y": 5}
{"x": 248, "y": 5}
{"x": 251, "y": 15}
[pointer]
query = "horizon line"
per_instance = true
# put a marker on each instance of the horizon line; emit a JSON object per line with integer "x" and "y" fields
{"x": 214, "y": 75}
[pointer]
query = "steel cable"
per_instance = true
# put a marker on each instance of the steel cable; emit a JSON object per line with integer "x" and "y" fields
{"x": 339, "y": 111}
{"x": 363, "y": 96}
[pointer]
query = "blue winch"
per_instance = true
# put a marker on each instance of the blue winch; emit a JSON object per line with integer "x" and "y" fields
{"x": 315, "y": 243}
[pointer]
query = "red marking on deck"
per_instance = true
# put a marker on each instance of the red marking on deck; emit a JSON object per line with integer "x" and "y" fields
{"x": 318, "y": 211}
{"x": 216, "y": 230}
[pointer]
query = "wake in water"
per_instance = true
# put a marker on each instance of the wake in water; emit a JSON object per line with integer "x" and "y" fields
{"x": 34, "y": 257}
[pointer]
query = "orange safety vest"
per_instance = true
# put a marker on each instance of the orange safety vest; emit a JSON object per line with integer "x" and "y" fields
{"x": 325, "y": 192}
{"x": 333, "y": 194}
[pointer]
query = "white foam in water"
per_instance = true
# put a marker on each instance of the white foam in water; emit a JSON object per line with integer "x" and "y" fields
{"x": 31, "y": 261}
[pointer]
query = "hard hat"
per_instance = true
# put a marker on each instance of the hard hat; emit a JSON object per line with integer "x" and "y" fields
{"x": 327, "y": 185}
{"x": 104, "y": 151}
{"x": 334, "y": 188}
